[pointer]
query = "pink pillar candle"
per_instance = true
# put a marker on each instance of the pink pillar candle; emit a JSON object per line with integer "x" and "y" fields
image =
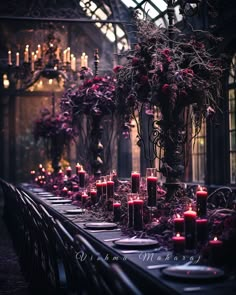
{"x": 190, "y": 229}
{"x": 138, "y": 214}
{"x": 99, "y": 187}
{"x": 82, "y": 178}
{"x": 201, "y": 203}
{"x": 68, "y": 171}
{"x": 135, "y": 182}
{"x": 178, "y": 244}
{"x": 116, "y": 211}
{"x": 110, "y": 189}
{"x": 93, "y": 195}
{"x": 130, "y": 213}
{"x": 152, "y": 191}
{"x": 202, "y": 230}
{"x": 216, "y": 248}
{"x": 77, "y": 168}
{"x": 178, "y": 225}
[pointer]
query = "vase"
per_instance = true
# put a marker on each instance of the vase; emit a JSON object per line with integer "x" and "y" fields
{"x": 173, "y": 141}
{"x": 56, "y": 151}
{"x": 96, "y": 146}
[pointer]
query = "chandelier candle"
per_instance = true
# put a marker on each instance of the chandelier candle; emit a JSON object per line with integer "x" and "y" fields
{"x": 138, "y": 214}
{"x": 152, "y": 187}
{"x": 116, "y": 211}
{"x": 178, "y": 244}
{"x": 135, "y": 182}
{"x": 190, "y": 229}
{"x": 81, "y": 178}
{"x": 178, "y": 225}
{"x": 202, "y": 230}
{"x": 201, "y": 202}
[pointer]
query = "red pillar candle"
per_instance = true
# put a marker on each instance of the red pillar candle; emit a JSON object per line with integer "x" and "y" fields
{"x": 110, "y": 188}
{"x": 64, "y": 191}
{"x": 216, "y": 247}
{"x": 201, "y": 202}
{"x": 75, "y": 188}
{"x": 99, "y": 187}
{"x": 178, "y": 224}
{"x": 32, "y": 174}
{"x": 93, "y": 195}
{"x": 135, "y": 182}
{"x": 116, "y": 211}
{"x": 190, "y": 229}
{"x": 152, "y": 191}
{"x": 68, "y": 171}
{"x": 77, "y": 168}
{"x": 104, "y": 188}
{"x": 84, "y": 198}
{"x": 138, "y": 214}
{"x": 178, "y": 244}
{"x": 40, "y": 168}
{"x": 82, "y": 178}
{"x": 130, "y": 213}
{"x": 202, "y": 230}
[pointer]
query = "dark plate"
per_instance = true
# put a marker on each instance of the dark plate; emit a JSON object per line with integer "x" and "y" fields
{"x": 100, "y": 225}
{"x": 136, "y": 243}
{"x": 197, "y": 272}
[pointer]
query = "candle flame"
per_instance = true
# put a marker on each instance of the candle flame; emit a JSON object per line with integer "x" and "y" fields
{"x": 178, "y": 235}
{"x": 177, "y": 215}
{"x": 215, "y": 239}
{"x": 190, "y": 207}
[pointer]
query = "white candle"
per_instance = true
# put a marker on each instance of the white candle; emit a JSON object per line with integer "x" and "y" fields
{"x": 9, "y": 57}
{"x": 39, "y": 54}
{"x": 17, "y": 59}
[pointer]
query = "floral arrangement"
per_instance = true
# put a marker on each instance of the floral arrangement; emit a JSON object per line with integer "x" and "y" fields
{"x": 56, "y": 131}
{"x": 171, "y": 74}
{"x": 94, "y": 97}
{"x": 49, "y": 126}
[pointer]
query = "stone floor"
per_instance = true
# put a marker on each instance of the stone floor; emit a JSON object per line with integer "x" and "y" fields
{"x": 12, "y": 281}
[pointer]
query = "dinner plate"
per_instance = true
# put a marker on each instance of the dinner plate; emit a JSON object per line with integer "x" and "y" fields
{"x": 53, "y": 198}
{"x": 45, "y": 194}
{"x": 198, "y": 272}
{"x": 100, "y": 225}
{"x": 136, "y": 243}
{"x": 75, "y": 211}
{"x": 61, "y": 201}
{"x": 37, "y": 190}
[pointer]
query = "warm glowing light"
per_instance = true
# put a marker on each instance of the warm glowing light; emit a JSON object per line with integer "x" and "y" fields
{"x": 215, "y": 239}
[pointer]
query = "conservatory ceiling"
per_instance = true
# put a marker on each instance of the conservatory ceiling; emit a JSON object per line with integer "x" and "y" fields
{"x": 111, "y": 17}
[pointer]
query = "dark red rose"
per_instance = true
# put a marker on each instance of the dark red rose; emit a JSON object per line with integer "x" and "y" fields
{"x": 117, "y": 69}
{"x": 165, "y": 88}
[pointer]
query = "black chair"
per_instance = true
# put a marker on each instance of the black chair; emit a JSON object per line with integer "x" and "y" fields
{"x": 104, "y": 278}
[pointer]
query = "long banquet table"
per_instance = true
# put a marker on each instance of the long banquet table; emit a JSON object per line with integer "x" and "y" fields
{"x": 143, "y": 266}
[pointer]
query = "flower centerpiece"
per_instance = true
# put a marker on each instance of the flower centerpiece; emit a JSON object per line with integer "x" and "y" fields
{"x": 89, "y": 104}
{"x": 56, "y": 133}
{"x": 179, "y": 78}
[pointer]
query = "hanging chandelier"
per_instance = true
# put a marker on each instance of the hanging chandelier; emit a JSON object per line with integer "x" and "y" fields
{"x": 45, "y": 61}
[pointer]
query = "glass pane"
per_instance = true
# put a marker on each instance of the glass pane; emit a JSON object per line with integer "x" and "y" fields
{"x": 232, "y": 140}
{"x": 233, "y": 167}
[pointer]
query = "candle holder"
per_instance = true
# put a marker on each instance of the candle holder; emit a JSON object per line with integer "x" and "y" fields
{"x": 151, "y": 176}
{"x": 135, "y": 181}
{"x": 138, "y": 213}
